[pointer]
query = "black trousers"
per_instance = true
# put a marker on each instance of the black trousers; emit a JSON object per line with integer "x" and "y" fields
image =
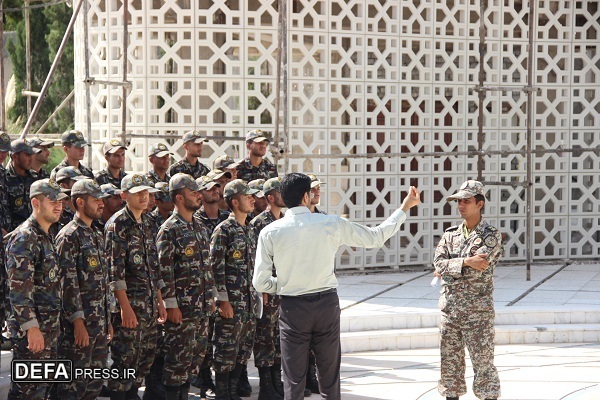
{"x": 305, "y": 321}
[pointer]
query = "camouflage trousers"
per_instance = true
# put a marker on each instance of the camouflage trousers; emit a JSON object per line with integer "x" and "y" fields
{"x": 267, "y": 349}
{"x": 233, "y": 340}
{"x": 32, "y": 391}
{"x": 475, "y": 331}
{"x": 93, "y": 356}
{"x": 208, "y": 356}
{"x": 132, "y": 348}
{"x": 184, "y": 347}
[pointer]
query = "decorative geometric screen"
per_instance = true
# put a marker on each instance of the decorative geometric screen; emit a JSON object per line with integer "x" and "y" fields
{"x": 371, "y": 76}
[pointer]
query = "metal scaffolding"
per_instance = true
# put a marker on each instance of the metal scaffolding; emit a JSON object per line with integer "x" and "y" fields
{"x": 280, "y": 148}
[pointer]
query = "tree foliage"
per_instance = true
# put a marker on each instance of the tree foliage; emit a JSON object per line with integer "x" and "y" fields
{"x": 47, "y": 26}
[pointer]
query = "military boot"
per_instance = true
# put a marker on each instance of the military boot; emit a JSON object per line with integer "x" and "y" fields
{"x": 155, "y": 389}
{"x": 132, "y": 394}
{"x": 172, "y": 392}
{"x": 244, "y": 388}
{"x": 276, "y": 379}
{"x": 267, "y": 391}
{"x": 222, "y": 386}
{"x": 184, "y": 391}
{"x": 234, "y": 378}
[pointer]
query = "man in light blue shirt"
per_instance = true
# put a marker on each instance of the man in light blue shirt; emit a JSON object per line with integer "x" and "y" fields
{"x": 301, "y": 247}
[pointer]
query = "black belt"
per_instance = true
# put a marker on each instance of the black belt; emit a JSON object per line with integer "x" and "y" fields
{"x": 311, "y": 295}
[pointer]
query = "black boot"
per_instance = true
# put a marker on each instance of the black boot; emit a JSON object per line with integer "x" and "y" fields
{"x": 172, "y": 392}
{"x": 184, "y": 391}
{"x": 244, "y": 388}
{"x": 307, "y": 392}
{"x": 234, "y": 378}
{"x": 311, "y": 376}
{"x": 155, "y": 389}
{"x": 114, "y": 395}
{"x": 207, "y": 386}
{"x": 267, "y": 391}
{"x": 222, "y": 386}
{"x": 132, "y": 394}
{"x": 197, "y": 381}
{"x": 276, "y": 379}
{"x": 451, "y": 398}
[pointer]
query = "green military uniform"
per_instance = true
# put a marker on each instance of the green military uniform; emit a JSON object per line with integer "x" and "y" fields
{"x": 4, "y": 224}
{"x": 87, "y": 172}
{"x": 188, "y": 283}
{"x": 183, "y": 166}
{"x": 74, "y": 138}
{"x": 159, "y": 150}
{"x": 83, "y": 263}
{"x": 210, "y": 223}
{"x": 467, "y": 305}
{"x": 34, "y": 291}
{"x": 248, "y": 172}
{"x": 104, "y": 176}
{"x": 132, "y": 264}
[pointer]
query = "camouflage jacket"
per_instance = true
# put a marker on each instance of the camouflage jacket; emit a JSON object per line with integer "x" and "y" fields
{"x": 104, "y": 176}
{"x": 232, "y": 251}
{"x": 196, "y": 171}
{"x": 248, "y": 172}
{"x": 17, "y": 187}
{"x": 65, "y": 217}
{"x": 209, "y": 223}
{"x": 83, "y": 264}
{"x": 133, "y": 260}
{"x": 157, "y": 218}
{"x": 4, "y": 205}
{"x": 34, "y": 280}
{"x": 84, "y": 170}
{"x": 187, "y": 279}
{"x": 261, "y": 220}
{"x": 153, "y": 177}
{"x": 465, "y": 287}
{"x": 43, "y": 174}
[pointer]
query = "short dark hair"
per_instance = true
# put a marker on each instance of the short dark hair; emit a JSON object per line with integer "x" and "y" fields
{"x": 174, "y": 193}
{"x": 74, "y": 200}
{"x": 229, "y": 200}
{"x": 293, "y": 188}
{"x": 478, "y": 198}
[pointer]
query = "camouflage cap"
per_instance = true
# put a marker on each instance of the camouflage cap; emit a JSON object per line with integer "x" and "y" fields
{"x": 195, "y": 136}
{"x": 4, "y": 142}
{"x": 237, "y": 186}
{"x": 272, "y": 184}
{"x": 134, "y": 183}
{"x": 111, "y": 189}
{"x": 88, "y": 186}
{"x": 48, "y": 188}
{"x": 23, "y": 145}
{"x": 67, "y": 173}
{"x": 256, "y": 135}
{"x": 314, "y": 181}
{"x": 158, "y": 150}
{"x": 163, "y": 192}
{"x": 207, "y": 183}
{"x": 225, "y": 161}
{"x": 111, "y": 146}
{"x": 468, "y": 189}
{"x": 258, "y": 185}
{"x": 39, "y": 142}
{"x": 74, "y": 137}
{"x": 218, "y": 174}
{"x": 182, "y": 181}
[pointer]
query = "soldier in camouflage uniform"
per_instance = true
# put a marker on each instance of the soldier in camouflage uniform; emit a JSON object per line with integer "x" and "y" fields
{"x": 190, "y": 164}
{"x": 114, "y": 153}
{"x": 18, "y": 180}
{"x": 35, "y": 285}
{"x": 164, "y": 204}
{"x": 231, "y": 258}
{"x": 209, "y": 215}
{"x": 226, "y": 163}
{"x": 222, "y": 178}
{"x": 85, "y": 324}
{"x": 260, "y": 202}
{"x": 73, "y": 144}
{"x": 112, "y": 203}
{"x": 66, "y": 178}
{"x": 315, "y": 193}
{"x": 41, "y": 159}
{"x": 4, "y": 226}
{"x": 186, "y": 286}
{"x": 465, "y": 259}
{"x": 267, "y": 352}
{"x": 160, "y": 157}
{"x": 132, "y": 264}
{"x": 254, "y": 166}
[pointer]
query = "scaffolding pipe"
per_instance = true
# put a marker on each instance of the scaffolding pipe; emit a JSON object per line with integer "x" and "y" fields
{"x": 286, "y": 139}
{"x": 529, "y": 134}
{"x": 275, "y": 147}
{"x": 55, "y": 113}
{"x": 59, "y": 53}
{"x": 2, "y": 95}
{"x": 124, "y": 88}
{"x": 87, "y": 81}
{"x": 27, "y": 55}
{"x": 483, "y": 5}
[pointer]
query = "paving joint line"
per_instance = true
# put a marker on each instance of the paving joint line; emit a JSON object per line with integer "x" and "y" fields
{"x": 531, "y": 289}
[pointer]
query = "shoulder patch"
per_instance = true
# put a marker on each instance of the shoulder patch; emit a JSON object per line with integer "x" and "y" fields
{"x": 452, "y": 228}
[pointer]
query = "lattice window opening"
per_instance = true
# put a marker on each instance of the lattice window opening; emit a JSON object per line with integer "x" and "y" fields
{"x": 308, "y": 55}
{"x": 587, "y": 20}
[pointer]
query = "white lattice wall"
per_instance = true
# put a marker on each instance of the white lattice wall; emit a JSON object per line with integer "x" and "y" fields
{"x": 372, "y": 76}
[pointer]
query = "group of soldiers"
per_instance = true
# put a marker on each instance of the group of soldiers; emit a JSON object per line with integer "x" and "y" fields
{"x": 156, "y": 267}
